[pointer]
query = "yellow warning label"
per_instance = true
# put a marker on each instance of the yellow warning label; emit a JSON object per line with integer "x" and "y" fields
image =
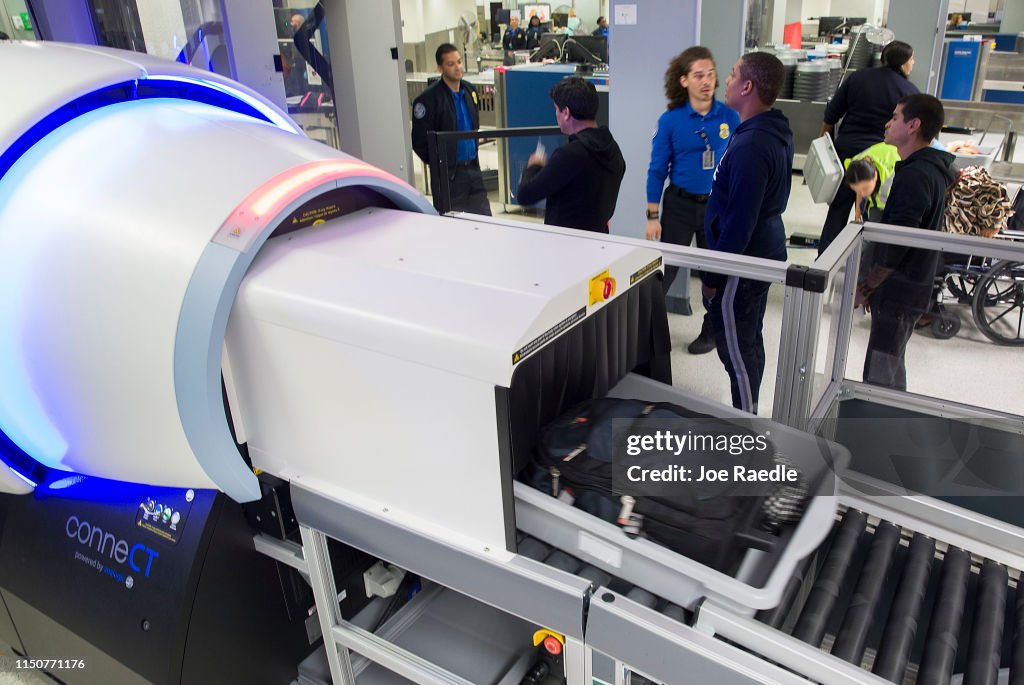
{"x": 317, "y": 215}
{"x": 639, "y": 275}
{"x": 549, "y": 335}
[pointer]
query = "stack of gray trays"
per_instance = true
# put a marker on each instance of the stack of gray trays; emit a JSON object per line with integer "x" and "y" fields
{"x": 835, "y": 74}
{"x": 789, "y": 61}
{"x": 861, "y": 49}
{"x": 812, "y": 81}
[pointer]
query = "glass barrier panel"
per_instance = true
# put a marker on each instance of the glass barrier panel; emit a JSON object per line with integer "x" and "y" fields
{"x": 304, "y": 49}
{"x": 699, "y": 362}
{"x": 963, "y": 332}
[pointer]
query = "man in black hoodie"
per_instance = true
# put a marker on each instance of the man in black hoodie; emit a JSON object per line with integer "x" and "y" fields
{"x": 898, "y": 286}
{"x": 581, "y": 181}
{"x": 749, "y": 193}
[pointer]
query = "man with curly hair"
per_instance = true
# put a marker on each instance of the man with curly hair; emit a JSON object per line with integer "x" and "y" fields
{"x": 690, "y": 140}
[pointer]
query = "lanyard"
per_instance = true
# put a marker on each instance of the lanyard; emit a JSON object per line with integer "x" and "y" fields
{"x": 704, "y": 136}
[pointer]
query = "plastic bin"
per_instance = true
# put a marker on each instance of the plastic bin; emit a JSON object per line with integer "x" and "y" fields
{"x": 761, "y": 579}
{"x": 963, "y": 160}
{"x": 823, "y": 170}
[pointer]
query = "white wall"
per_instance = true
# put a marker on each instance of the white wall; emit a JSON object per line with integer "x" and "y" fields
{"x": 639, "y": 55}
{"x": 162, "y": 27}
{"x": 369, "y": 86}
{"x": 412, "y": 21}
{"x": 439, "y": 15}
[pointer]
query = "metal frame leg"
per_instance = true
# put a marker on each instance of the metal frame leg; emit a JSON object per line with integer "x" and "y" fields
{"x": 578, "y": 660}
{"x": 321, "y": 578}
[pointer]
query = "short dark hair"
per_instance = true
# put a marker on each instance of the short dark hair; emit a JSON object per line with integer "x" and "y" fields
{"x": 860, "y": 170}
{"x": 766, "y": 72}
{"x": 928, "y": 110}
{"x": 578, "y": 95}
{"x": 442, "y": 50}
{"x": 896, "y": 54}
{"x": 680, "y": 66}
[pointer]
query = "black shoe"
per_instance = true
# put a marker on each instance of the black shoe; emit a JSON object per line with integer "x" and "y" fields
{"x": 704, "y": 343}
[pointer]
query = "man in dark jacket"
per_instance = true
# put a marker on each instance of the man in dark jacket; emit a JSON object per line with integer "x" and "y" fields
{"x": 581, "y": 181}
{"x": 864, "y": 102}
{"x": 749, "y": 193}
{"x": 451, "y": 104}
{"x": 898, "y": 286}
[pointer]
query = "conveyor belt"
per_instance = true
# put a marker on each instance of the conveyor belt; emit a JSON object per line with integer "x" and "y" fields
{"x": 892, "y": 602}
{"x": 918, "y": 611}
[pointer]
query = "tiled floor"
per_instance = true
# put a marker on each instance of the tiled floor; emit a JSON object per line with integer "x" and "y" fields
{"x": 10, "y": 676}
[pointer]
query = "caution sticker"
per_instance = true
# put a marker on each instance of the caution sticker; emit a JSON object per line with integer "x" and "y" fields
{"x": 549, "y": 335}
{"x": 639, "y": 275}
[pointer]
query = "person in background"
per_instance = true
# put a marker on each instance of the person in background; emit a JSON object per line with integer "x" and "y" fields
{"x": 689, "y": 142}
{"x": 602, "y": 27}
{"x": 581, "y": 181}
{"x": 533, "y": 33}
{"x": 573, "y": 22}
{"x": 305, "y": 30}
{"x": 514, "y": 39}
{"x": 295, "y": 74}
{"x": 864, "y": 102}
{"x": 749, "y": 193}
{"x": 898, "y": 288}
{"x": 869, "y": 175}
{"x": 451, "y": 104}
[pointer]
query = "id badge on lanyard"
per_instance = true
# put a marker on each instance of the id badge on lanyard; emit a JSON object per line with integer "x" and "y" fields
{"x": 708, "y": 156}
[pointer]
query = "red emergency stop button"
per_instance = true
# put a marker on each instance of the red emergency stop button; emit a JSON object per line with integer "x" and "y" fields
{"x": 552, "y": 645}
{"x": 602, "y": 287}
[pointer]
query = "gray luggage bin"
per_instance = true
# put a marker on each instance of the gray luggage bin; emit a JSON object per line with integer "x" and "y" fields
{"x": 761, "y": 578}
{"x": 823, "y": 170}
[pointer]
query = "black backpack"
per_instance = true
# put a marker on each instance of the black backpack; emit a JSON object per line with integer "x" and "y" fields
{"x": 575, "y": 450}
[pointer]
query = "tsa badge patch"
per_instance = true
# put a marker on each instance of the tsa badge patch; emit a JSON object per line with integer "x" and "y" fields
{"x": 723, "y": 131}
{"x": 419, "y": 111}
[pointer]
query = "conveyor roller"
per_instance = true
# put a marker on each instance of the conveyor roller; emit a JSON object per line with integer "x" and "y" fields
{"x": 905, "y": 615}
{"x": 987, "y": 633}
{"x": 849, "y": 646}
{"x": 814, "y": 618}
{"x": 944, "y": 631}
{"x": 1017, "y": 659}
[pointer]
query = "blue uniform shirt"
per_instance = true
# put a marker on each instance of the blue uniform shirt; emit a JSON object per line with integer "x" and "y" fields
{"x": 678, "y": 147}
{"x": 467, "y": 148}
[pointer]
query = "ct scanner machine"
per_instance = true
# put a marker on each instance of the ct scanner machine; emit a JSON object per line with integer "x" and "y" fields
{"x": 247, "y": 382}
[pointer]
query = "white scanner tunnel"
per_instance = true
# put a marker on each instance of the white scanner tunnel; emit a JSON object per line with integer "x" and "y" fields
{"x": 134, "y": 195}
{"x": 375, "y": 351}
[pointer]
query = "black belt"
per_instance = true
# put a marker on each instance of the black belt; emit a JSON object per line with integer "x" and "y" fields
{"x": 690, "y": 196}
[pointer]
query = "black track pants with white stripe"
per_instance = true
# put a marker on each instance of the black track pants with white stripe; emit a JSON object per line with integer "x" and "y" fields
{"x": 737, "y": 317}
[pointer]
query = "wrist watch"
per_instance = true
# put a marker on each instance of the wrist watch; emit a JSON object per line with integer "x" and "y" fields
{"x": 652, "y": 214}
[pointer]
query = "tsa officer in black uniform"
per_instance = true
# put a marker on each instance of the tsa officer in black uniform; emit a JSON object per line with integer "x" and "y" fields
{"x": 514, "y": 39}
{"x": 450, "y": 104}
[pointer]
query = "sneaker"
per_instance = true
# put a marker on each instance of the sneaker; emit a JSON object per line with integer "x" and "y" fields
{"x": 704, "y": 343}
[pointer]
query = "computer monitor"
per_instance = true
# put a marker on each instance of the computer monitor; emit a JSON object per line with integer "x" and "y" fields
{"x": 550, "y": 47}
{"x": 829, "y": 25}
{"x": 587, "y": 49}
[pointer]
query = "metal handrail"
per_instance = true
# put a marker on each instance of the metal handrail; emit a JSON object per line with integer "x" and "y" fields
{"x": 437, "y": 154}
